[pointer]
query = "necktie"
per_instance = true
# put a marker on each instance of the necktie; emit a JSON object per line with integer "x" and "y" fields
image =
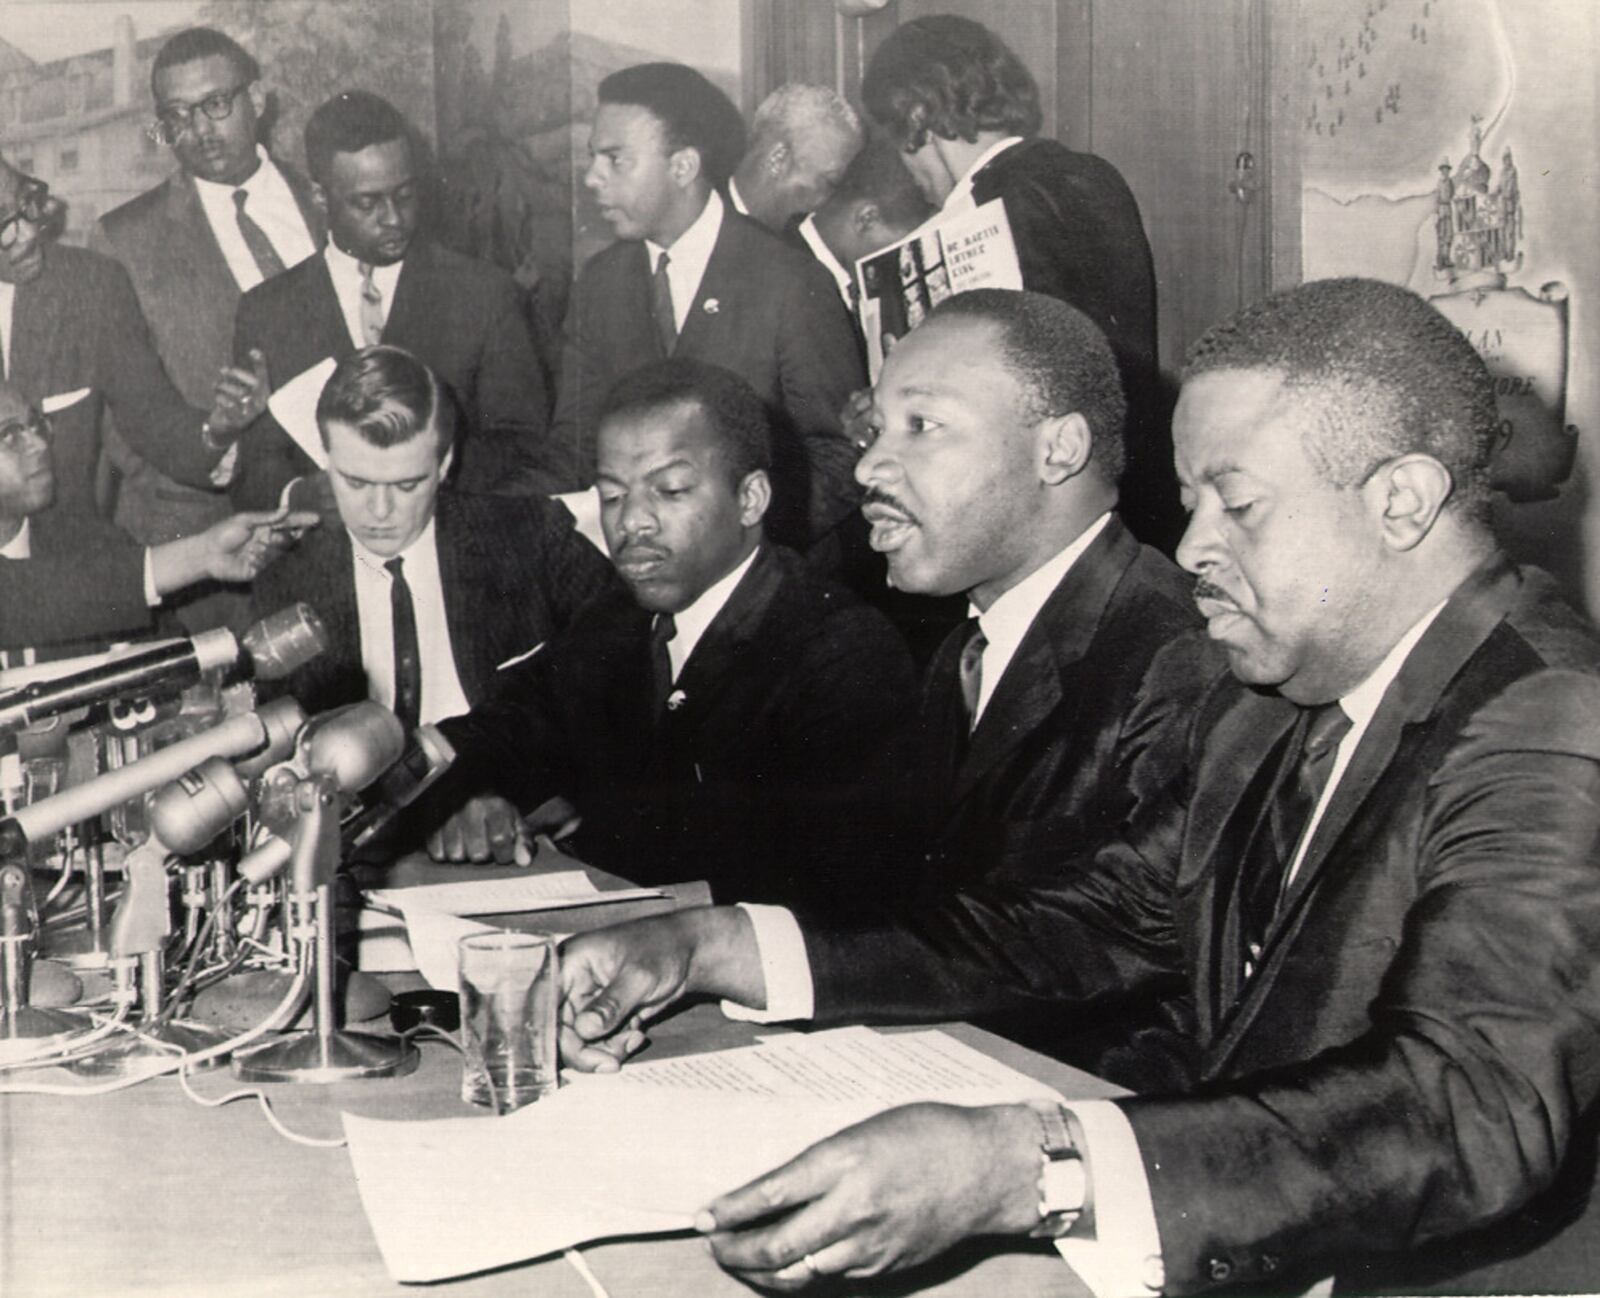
{"x": 970, "y": 670}
{"x": 255, "y": 238}
{"x": 661, "y": 307}
{"x": 661, "y": 631}
{"x": 371, "y": 308}
{"x": 407, "y": 657}
{"x": 1308, "y": 761}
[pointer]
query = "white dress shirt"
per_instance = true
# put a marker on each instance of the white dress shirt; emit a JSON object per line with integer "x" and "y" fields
{"x": 8, "y": 302}
{"x": 442, "y": 695}
{"x": 960, "y": 199}
{"x": 690, "y": 252}
{"x": 1124, "y": 1255}
{"x": 691, "y": 624}
{"x": 824, "y": 254}
{"x": 271, "y": 206}
{"x": 345, "y": 271}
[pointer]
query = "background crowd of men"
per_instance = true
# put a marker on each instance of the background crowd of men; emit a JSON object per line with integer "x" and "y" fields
{"x": 1293, "y": 829}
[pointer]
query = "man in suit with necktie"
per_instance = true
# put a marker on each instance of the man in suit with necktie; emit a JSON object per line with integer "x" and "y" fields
{"x": 69, "y": 581}
{"x": 230, "y": 216}
{"x": 426, "y": 592}
{"x": 74, "y": 342}
{"x": 716, "y": 718}
{"x": 1374, "y": 871}
{"x": 688, "y": 277}
{"x": 379, "y": 279}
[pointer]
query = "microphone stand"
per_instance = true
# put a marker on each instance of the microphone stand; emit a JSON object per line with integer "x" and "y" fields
{"x": 325, "y": 1052}
{"x": 20, "y": 1021}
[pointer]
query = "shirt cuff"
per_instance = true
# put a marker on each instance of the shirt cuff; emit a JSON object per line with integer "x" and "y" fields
{"x": 152, "y": 596}
{"x": 1123, "y": 1256}
{"x": 784, "y": 968}
{"x": 223, "y": 470}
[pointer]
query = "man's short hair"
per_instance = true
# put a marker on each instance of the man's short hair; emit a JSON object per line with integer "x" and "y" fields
{"x": 195, "y": 43}
{"x": 693, "y": 112}
{"x": 878, "y": 176}
{"x": 736, "y": 414}
{"x": 1385, "y": 373}
{"x": 388, "y": 396}
{"x": 797, "y": 114}
{"x": 951, "y": 76}
{"x": 1060, "y": 358}
{"x": 351, "y": 121}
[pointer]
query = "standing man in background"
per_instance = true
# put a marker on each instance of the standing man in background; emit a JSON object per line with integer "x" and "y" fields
{"x": 687, "y": 277}
{"x": 228, "y": 218}
{"x": 801, "y": 140}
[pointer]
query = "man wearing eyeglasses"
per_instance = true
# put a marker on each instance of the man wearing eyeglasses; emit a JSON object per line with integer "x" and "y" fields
{"x": 69, "y": 579}
{"x": 228, "y": 218}
{"x": 72, "y": 336}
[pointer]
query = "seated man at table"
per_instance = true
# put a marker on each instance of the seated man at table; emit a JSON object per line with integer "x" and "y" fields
{"x": 426, "y": 593}
{"x": 71, "y": 582}
{"x": 715, "y": 721}
{"x": 1375, "y": 873}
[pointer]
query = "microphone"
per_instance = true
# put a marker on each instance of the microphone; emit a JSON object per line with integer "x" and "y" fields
{"x": 428, "y": 756}
{"x": 246, "y": 734}
{"x": 273, "y": 647}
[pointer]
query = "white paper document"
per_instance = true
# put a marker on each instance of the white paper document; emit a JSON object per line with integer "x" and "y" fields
{"x": 507, "y": 896}
{"x": 294, "y": 406}
{"x": 640, "y": 1151}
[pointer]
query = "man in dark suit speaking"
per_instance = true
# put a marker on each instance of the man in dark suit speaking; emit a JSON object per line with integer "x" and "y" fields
{"x": 380, "y": 280}
{"x": 426, "y": 593}
{"x": 1375, "y": 873}
{"x": 715, "y": 720}
{"x": 689, "y": 277}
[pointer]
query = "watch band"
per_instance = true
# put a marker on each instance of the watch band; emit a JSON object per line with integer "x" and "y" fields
{"x": 1063, "y": 1179}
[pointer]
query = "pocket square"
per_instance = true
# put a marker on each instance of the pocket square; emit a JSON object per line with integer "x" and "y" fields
{"x": 59, "y": 402}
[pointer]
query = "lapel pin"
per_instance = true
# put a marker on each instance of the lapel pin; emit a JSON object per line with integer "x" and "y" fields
{"x": 711, "y": 306}
{"x": 676, "y": 700}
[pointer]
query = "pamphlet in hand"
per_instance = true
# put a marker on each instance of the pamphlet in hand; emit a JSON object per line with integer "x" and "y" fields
{"x": 898, "y": 285}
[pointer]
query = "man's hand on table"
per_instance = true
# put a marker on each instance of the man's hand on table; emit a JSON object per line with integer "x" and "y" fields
{"x": 487, "y": 829}
{"x": 613, "y": 978}
{"x": 884, "y": 1194}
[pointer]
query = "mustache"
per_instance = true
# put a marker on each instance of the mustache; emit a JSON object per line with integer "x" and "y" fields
{"x": 1204, "y": 589}
{"x": 878, "y": 496}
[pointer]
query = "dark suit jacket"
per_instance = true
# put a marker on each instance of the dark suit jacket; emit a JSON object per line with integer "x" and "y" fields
{"x": 461, "y": 317}
{"x": 1405, "y": 1094}
{"x": 1080, "y": 238}
{"x": 78, "y": 325}
{"x": 82, "y": 587}
{"x": 189, "y": 297}
{"x": 767, "y": 312}
{"x": 748, "y": 783}
{"x": 514, "y": 572}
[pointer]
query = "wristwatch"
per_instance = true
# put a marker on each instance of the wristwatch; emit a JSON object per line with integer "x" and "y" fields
{"x": 1063, "y": 1179}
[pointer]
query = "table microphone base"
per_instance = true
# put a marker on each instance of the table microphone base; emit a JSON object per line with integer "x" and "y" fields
{"x": 77, "y": 948}
{"x": 138, "y": 1054}
{"x": 338, "y": 1057}
{"x": 37, "y": 1023}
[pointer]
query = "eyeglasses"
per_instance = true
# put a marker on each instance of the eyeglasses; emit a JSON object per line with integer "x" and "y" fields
{"x": 175, "y": 119}
{"x": 15, "y": 433}
{"x": 33, "y": 205}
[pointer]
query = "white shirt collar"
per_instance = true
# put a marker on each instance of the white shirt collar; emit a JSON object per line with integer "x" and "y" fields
{"x": 255, "y": 183}
{"x": 824, "y": 254}
{"x": 1007, "y": 620}
{"x": 8, "y": 300}
{"x": 691, "y": 252}
{"x": 19, "y": 546}
{"x": 692, "y": 622}
{"x": 1362, "y": 702}
{"x": 961, "y": 195}
{"x": 736, "y": 198}
{"x": 345, "y": 272}
{"x": 425, "y": 541}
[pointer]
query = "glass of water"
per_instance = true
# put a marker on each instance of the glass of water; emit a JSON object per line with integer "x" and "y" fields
{"x": 509, "y": 1000}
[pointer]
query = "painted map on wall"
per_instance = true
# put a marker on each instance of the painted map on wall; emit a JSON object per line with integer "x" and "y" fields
{"x": 1421, "y": 121}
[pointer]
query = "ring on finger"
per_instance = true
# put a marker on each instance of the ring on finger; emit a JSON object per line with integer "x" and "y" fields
{"x": 810, "y": 1264}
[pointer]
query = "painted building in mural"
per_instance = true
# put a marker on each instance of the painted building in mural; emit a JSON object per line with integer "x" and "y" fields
{"x": 79, "y": 123}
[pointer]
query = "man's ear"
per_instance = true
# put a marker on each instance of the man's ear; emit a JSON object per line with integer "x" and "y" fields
{"x": 865, "y": 217}
{"x": 1406, "y": 494}
{"x": 319, "y": 200}
{"x": 779, "y": 160}
{"x": 258, "y": 99}
{"x": 1065, "y": 445}
{"x": 755, "y": 494}
{"x": 684, "y": 166}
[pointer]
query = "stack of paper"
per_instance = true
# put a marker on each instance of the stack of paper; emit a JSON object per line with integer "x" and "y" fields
{"x": 641, "y": 1151}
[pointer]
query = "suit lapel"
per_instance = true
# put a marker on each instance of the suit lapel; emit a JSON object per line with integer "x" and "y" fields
{"x": 408, "y": 313}
{"x": 719, "y": 286}
{"x": 463, "y": 573}
{"x": 35, "y": 320}
{"x": 1036, "y": 681}
{"x": 300, "y": 187}
{"x": 326, "y": 319}
{"x": 185, "y": 208}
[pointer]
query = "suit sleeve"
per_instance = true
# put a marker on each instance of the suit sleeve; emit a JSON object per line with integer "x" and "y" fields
{"x": 1459, "y": 1103}
{"x": 151, "y": 413}
{"x": 819, "y": 366}
{"x": 574, "y": 572}
{"x": 582, "y": 383}
{"x": 95, "y": 592}
{"x": 513, "y": 415}
{"x": 510, "y": 743}
{"x": 268, "y": 458}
